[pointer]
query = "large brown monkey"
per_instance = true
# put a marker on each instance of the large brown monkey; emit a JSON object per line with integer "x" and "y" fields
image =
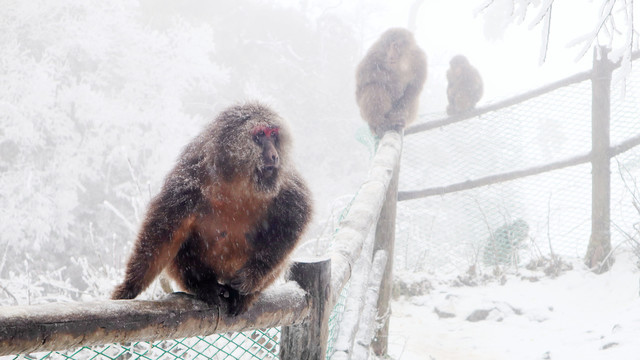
{"x": 389, "y": 80}
{"x": 465, "y": 85}
{"x": 228, "y": 215}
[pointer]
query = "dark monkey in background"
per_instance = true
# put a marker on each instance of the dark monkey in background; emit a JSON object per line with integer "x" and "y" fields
{"x": 229, "y": 214}
{"x": 389, "y": 80}
{"x": 464, "y": 88}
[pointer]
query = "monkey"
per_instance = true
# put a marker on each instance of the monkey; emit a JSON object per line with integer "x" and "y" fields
{"x": 464, "y": 88}
{"x": 228, "y": 215}
{"x": 389, "y": 80}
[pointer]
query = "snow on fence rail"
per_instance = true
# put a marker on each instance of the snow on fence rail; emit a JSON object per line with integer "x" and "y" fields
{"x": 599, "y": 156}
{"x": 302, "y": 306}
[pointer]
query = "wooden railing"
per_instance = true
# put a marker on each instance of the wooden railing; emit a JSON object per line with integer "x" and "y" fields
{"x": 301, "y": 306}
{"x": 600, "y": 155}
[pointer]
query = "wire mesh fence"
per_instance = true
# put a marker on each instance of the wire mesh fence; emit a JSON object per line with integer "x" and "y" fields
{"x": 510, "y": 222}
{"x": 503, "y": 224}
{"x": 257, "y": 344}
{"x": 250, "y": 345}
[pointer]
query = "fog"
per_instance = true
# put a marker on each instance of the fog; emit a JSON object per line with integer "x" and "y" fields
{"x": 98, "y": 99}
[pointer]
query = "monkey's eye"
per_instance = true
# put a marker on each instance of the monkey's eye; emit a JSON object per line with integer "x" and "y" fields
{"x": 257, "y": 135}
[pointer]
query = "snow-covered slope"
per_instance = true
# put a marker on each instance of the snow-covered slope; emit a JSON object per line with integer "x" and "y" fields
{"x": 577, "y": 315}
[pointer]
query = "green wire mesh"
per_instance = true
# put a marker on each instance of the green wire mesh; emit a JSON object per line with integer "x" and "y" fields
{"x": 257, "y": 344}
{"x": 336, "y": 318}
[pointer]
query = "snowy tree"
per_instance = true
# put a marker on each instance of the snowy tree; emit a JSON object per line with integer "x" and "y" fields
{"x": 97, "y": 99}
{"x": 613, "y": 24}
{"x": 88, "y": 96}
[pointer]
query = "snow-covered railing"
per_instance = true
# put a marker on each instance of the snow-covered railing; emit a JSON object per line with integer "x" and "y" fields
{"x": 59, "y": 326}
{"x": 374, "y": 204}
{"x": 302, "y": 306}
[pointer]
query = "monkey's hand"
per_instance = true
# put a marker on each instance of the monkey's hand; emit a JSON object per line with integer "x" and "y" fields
{"x": 246, "y": 281}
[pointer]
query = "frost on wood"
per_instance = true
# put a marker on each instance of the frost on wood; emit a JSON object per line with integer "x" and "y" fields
{"x": 367, "y": 327}
{"x": 364, "y": 212}
{"x": 308, "y": 340}
{"x": 61, "y": 326}
{"x": 353, "y": 304}
{"x": 357, "y": 326}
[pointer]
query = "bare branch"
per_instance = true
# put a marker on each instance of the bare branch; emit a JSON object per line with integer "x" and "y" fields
{"x": 605, "y": 14}
{"x": 546, "y": 30}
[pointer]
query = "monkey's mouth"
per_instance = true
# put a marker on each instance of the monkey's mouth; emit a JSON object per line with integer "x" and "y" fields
{"x": 267, "y": 177}
{"x": 268, "y": 171}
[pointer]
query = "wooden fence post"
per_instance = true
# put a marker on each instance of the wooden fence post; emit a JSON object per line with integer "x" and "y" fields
{"x": 600, "y": 242}
{"x": 309, "y": 339}
{"x": 384, "y": 240}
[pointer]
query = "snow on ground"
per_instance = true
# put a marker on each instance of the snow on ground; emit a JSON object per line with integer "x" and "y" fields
{"x": 577, "y": 315}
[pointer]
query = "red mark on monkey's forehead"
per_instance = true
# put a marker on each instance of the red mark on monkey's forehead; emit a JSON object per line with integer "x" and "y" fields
{"x": 267, "y": 130}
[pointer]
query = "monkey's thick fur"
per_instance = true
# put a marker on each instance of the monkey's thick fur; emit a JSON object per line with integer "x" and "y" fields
{"x": 389, "y": 80}
{"x": 464, "y": 87}
{"x": 229, "y": 214}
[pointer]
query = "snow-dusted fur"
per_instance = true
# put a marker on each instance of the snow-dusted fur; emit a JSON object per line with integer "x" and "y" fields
{"x": 227, "y": 216}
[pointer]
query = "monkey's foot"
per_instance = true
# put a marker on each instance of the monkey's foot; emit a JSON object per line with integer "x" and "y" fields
{"x": 212, "y": 293}
{"x": 224, "y": 296}
{"x": 236, "y": 303}
{"x": 125, "y": 291}
{"x": 396, "y": 124}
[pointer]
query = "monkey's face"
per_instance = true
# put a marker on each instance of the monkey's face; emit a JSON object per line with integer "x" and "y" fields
{"x": 250, "y": 142}
{"x": 459, "y": 61}
{"x": 266, "y": 137}
{"x": 394, "y": 45}
{"x": 395, "y": 52}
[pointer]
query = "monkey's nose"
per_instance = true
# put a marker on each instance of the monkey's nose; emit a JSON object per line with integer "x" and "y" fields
{"x": 271, "y": 159}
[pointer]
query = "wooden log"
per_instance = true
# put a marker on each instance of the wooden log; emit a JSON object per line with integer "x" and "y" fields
{"x": 576, "y": 78}
{"x": 367, "y": 328}
{"x": 308, "y": 340}
{"x": 600, "y": 241}
{"x": 493, "y": 179}
{"x": 385, "y": 240}
{"x": 417, "y": 128}
{"x": 353, "y": 306}
{"x": 517, "y": 174}
{"x": 364, "y": 212}
{"x": 61, "y": 326}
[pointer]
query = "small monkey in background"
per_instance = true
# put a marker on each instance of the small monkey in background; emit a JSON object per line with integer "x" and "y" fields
{"x": 389, "y": 80}
{"x": 465, "y": 85}
{"x": 229, "y": 214}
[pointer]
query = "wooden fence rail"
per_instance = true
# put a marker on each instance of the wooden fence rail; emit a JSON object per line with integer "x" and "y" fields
{"x": 60, "y": 326}
{"x": 600, "y": 155}
{"x": 301, "y": 306}
{"x": 448, "y": 120}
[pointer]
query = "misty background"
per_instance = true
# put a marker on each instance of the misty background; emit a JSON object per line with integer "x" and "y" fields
{"x": 97, "y": 100}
